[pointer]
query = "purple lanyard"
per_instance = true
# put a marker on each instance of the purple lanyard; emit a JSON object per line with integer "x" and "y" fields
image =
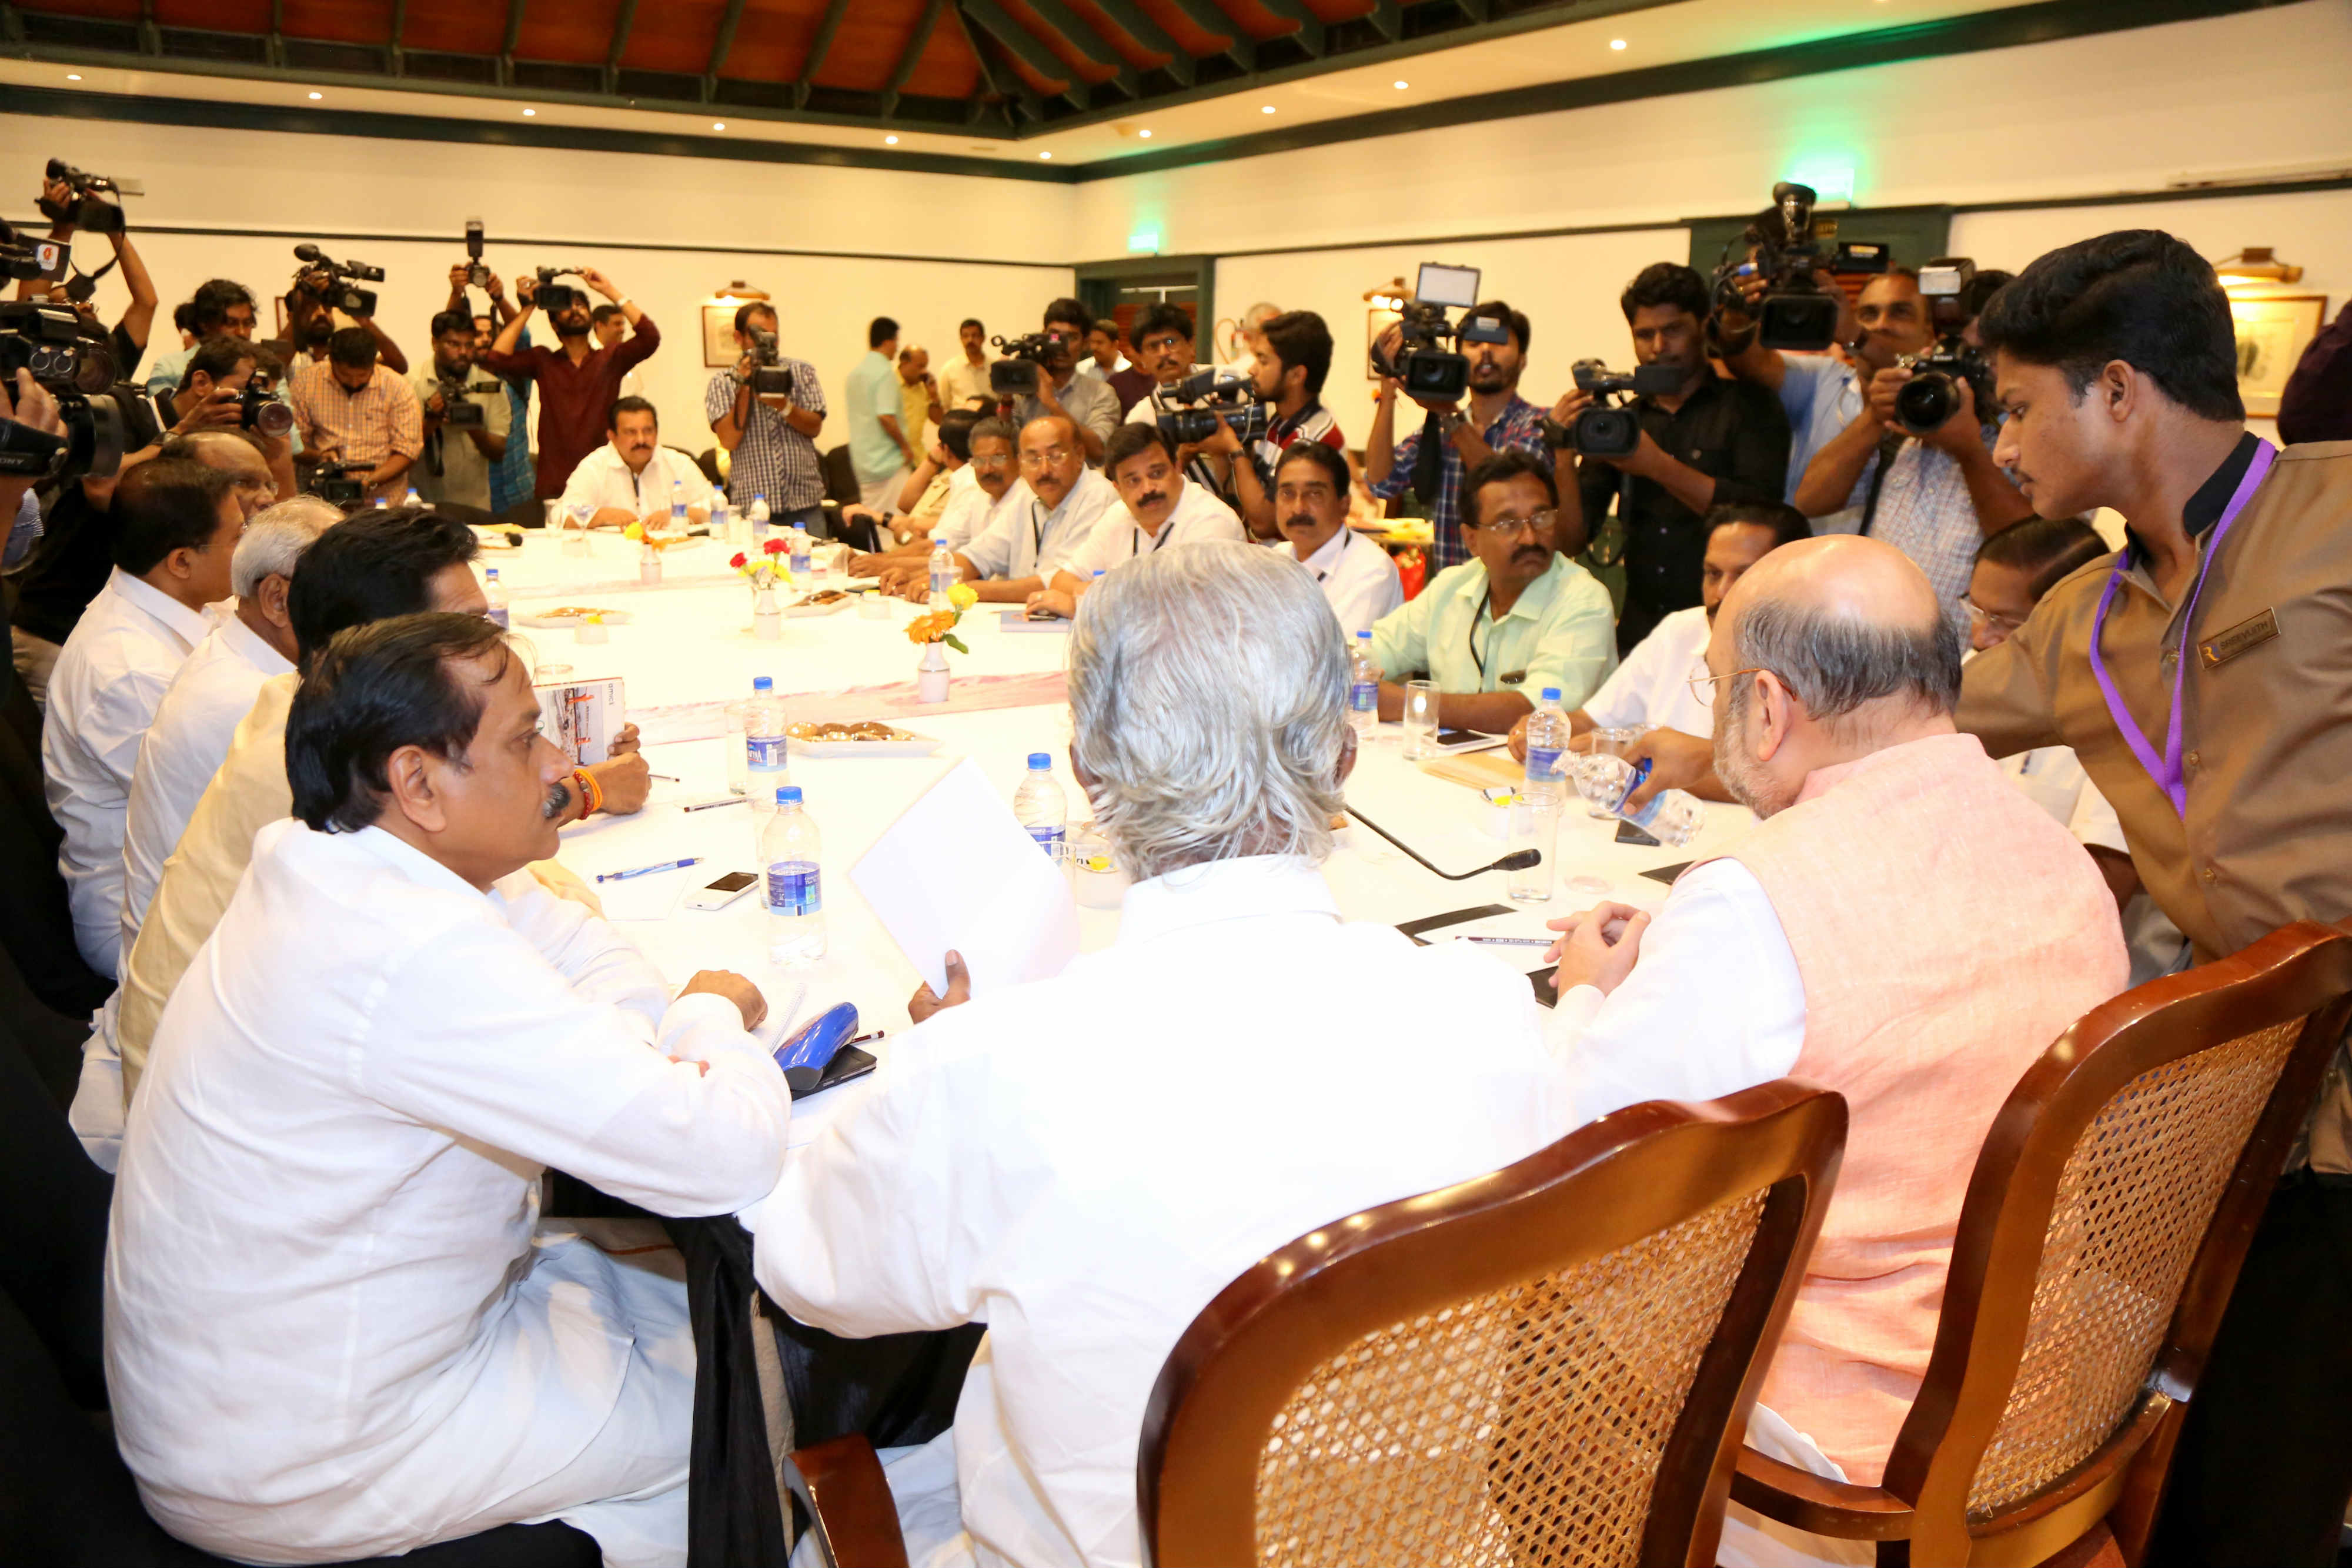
{"x": 2167, "y": 770}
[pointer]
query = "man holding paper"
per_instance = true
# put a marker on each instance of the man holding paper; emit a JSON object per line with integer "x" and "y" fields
{"x": 1082, "y": 1162}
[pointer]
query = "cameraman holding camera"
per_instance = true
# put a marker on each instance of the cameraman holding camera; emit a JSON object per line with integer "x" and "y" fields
{"x": 1163, "y": 351}
{"x": 228, "y": 386}
{"x": 354, "y": 409}
{"x": 1499, "y": 419}
{"x": 1705, "y": 443}
{"x": 63, "y": 205}
{"x": 465, "y": 424}
{"x": 578, "y": 382}
{"x": 311, "y": 306}
{"x": 219, "y": 308}
{"x": 1090, "y": 406}
{"x": 1292, "y": 360}
{"x": 771, "y": 433}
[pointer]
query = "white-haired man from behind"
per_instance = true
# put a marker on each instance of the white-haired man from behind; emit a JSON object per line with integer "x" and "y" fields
{"x": 1071, "y": 1160}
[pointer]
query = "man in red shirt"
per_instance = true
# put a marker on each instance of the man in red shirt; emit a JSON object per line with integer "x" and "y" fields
{"x": 577, "y": 381}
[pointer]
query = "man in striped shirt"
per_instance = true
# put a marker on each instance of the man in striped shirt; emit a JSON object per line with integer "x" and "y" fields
{"x": 354, "y": 410}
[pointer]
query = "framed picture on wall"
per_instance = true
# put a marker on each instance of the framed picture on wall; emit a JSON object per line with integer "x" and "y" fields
{"x": 719, "y": 346}
{"x": 2273, "y": 333}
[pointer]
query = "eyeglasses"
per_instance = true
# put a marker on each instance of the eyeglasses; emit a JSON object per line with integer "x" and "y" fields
{"x": 1702, "y": 687}
{"x": 1055, "y": 456}
{"x": 1311, "y": 493}
{"x": 996, "y": 462}
{"x": 1160, "y": 345}
{"x": 1980, "y": 616}
{"x": 1503, "y": 527}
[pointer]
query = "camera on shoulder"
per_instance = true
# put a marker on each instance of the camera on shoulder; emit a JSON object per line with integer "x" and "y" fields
{"x": 73, "y": 360}
{"x": 1796, "y": 312}
{"x": 1932, "y": 396}
{"x": 1608, "y": 429}
{"x": 330, "y": 280}
{"x": 1207, "y": 399}
{"x": 1424, "y": 365}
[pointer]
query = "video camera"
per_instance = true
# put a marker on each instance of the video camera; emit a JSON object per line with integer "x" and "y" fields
{"x": 30, "y": 259}
{"x": 1606, "y": 429}
{"x": 1423, "y": 367}
{"x": 552, "y": 296}
{"x": 1020, "y": 371}
{"x": 768, "y": 377}
{"x": 477, "y": 274}
{"x": 342, "y": 483}
{"x": 1796, "y": 312}
{"x": 1932, "y": 396}
{"x": 323, "y": 276}
{"x": 458, "y": 409}
{"x": 1211, "y": 398}
{"x": 73, "y": 360}
{"x": 88, "y": 209}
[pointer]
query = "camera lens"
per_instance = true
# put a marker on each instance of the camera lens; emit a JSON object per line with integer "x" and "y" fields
{"x": 1606, "y": 433}
{"x": 1802, "y": 322}
{"x": 1924, "y": 402}
{"x": 269, "y": 416}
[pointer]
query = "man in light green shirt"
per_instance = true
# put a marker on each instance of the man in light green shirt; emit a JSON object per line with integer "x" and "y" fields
{"x": 880, "y": 449}
{"x": 1517, "y": 618}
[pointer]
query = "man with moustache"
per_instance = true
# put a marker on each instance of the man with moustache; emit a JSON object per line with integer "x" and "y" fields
{"x": 578, "y": 381}
{"x": 1809, "y": 952}
{"x": 978, "y": 490}
{"x": 1041, "y": 523}
{"x": 633, "y": 477}
{"x": 455, "y": 466}
{"x": 1309, "y": 492}
{"x": 1160, "y": 508}
{"x": 963, "y": 381}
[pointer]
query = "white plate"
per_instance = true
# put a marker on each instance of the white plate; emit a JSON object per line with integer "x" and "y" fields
{"x": 541, "y": 620}
{"x": 908, "y": 744}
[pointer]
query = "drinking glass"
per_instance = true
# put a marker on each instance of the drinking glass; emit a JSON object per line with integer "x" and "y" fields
{"x": 1420, "y": 719}
{"x": 739, "y": 761}
{"x": 1534, "y": 825}
{"x": 1616, "y": 743}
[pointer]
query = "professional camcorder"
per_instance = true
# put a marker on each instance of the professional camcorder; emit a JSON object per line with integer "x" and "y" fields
{"x": 1606, "y": 429}
{"x": 1932, "y": 396}
{"x": 770, "y": 377}
{"x": 88, "y": 208}
{"x": 1021, "y": 371}
{"x": 1796, "y": 312}
{"x": 342, "y": 483}
{"x": 552, "y": 297}
{"x": 73, "y": 360}
{"x": 477, "y": 273}
{"x": 324, "y": 276}
{"x": 30, "y": 259}
{"x": 1424, "y": 367}
{"x": 1210, "y": 398}
{"x": 458, "y": 409}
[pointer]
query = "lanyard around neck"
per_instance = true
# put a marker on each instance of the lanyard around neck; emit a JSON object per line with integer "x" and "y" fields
{"x": 2166, "y": 769}
{"x": 1472, "y": 636}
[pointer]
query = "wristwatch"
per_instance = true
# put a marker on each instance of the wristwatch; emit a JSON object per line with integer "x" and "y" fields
{"x": 1451, "y": 421}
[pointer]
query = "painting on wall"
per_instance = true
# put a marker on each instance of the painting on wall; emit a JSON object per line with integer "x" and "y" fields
{"x": 2273, "y": 333}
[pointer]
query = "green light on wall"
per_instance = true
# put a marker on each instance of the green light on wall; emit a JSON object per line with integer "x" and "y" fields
{"x": 1832, "y": 178}
{"x": 1144, "y": 242}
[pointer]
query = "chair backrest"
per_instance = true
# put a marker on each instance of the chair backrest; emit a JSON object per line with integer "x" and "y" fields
{"x": 841, "y": 476}
{"x": 1551, "y": 1363}
{"x": 2103, "y": 1230}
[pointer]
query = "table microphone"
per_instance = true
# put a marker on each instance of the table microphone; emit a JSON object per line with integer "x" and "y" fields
{"x": 1517, "y": 860}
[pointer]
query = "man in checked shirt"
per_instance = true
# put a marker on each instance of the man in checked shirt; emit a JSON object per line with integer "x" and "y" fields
{"x": 355, "y": 409}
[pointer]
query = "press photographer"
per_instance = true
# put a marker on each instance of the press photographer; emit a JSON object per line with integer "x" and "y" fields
{"x": 1698, "y": 444}
{"x": 72, "y": 199}
{"x": 767, "y": 411}
{"x": 1163, "y": 351}
{"x": 510, "y": 476}
{"x": 100, "y": 416}
{"x": 1292, "y": 360}
{"x": 1934, "y": 494}
{"x": 1492, "y": 355}
{"x": 465, "y": 419}
{"x": 231, "y": 385}
{"x": 1810, "y": 384}
{"x": 1039, "y": 379}
{"x": 354, "y": 410}
{"x": 324, "y": 289}
{"x": 220, "y": 307}
{"x": 578, "y": 382}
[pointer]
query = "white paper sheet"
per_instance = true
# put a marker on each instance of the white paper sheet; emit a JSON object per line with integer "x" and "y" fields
{"x": 957, "y": 870}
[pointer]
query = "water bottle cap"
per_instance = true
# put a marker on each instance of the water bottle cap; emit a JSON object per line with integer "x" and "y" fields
{"x": 1363, "y": 636}
{"x": 762, "y": 684}
{"x": 788, "y": 794}
{"x": 492, "y": 574}
{"x": 1039, "y": 759}
{"x": 1551, "y": 693}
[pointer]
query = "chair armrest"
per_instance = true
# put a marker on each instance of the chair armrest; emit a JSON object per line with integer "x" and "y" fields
{"x": 848, "y": 1501}
{"x": 1817, "y": 1503}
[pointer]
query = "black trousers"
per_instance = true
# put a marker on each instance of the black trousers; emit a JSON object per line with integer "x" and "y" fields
{"x": 2264, "y": 1467}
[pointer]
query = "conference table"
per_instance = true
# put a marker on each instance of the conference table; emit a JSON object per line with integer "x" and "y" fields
{"x": 686, "y": 648}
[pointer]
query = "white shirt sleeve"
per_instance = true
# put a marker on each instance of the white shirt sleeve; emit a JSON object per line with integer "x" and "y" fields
{"x": 602, "y": 965}
{"x": 990, "y": 551}
{"x": 2094, "y": 823}
{"x": 1105, "y": 546}
{"x": 1713, "y": 1005}
{"x": 582, "y": 489}
{"x": 1621, "y": 703}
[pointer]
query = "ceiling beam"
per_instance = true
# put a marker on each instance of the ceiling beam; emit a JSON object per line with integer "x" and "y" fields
{"x": 505, "y": 50}
{"x": 151, "y": 36}
{"x": 1022, "y": 46}
{"x": 1137, "y": 24}
{"x": 908, "y": 57}
{"x": 1232, "y": 42}
{"x": 1309, "y": 28}
{"x": 720, "y": 45}
{"x": 819, "y": 47}
{"x": 274, "y": 45}
{"x": 1387, "y": 19}
{"x": 1090, "y": 44}
{"x": 1012, "y": 97}
{"x": 622, "y": 24}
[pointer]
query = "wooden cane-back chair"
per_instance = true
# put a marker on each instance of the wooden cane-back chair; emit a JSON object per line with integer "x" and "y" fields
{"x": 2103, "y": 1228}
{"x": 1550, "y": 1365}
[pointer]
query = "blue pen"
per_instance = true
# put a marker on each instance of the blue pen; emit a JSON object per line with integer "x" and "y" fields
{"x": 647, "y": 870}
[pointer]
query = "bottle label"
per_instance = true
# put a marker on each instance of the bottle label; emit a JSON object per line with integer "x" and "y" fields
{"x": 794, "y": 888}
{"x": 939, "y": 582}
{"x": 1049, "y": 836}
{"x": 1364, "y": 697}
{"x": 1543, "y": 765}
{"x": 497, "y": 614}
{"x": 765, "y": 751}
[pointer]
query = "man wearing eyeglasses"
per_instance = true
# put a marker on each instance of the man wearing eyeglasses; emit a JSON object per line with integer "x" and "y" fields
{"x": 1043, "y": 520}
{"x": 1517, "y": 617}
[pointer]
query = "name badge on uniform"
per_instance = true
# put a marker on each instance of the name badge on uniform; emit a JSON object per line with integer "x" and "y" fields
{"x": 2251, "y": 632}
{"x": 1513, "y": 679}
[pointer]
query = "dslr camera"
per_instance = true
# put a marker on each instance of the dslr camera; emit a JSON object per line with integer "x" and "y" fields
{"x": 1020, "y": 370}
{"x": 1606, "y": 429}
{"x": 1423, "y": 366}
{"x": 258, "y": 407}
{"x": 73, "y": 359}
{"x": 769, "y": 377}
{"x": 1210, "y": 398}
{"x": 88, "y": 207}
{"x": 552, "y": 297}
{"x": 1795, "y": 312}
{"x": 342, "y": 483}
{"x": 477, "y": 274}
{"x": 330, "y": 279}
{"x": 1932, "y": 396}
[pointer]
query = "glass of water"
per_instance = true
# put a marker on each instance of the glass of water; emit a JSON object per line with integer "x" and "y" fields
{"x": 1420, "y": 719}
{"x": 1534, "y": 825}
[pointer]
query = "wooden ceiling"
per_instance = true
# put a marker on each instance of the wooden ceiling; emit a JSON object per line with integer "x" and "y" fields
{"x": 1002, "y": 65}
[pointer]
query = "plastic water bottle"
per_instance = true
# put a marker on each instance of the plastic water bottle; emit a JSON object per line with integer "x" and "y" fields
{"x": 944, "y": 575}
{"x": 1547, "y": 734}
{"x": 1363, "y": 687}
{"x": 1672, "y": 817}
{"x": 723, "y": 523}
{"x": 383, "y": 504}
{"x": 677, "y": 518}
{"x": 495, "y": 593}
{"x": 759, "y": 516}
{"x": 789, "y": 849}
{"x": 799, "y": 554}
{"x": 1040, "y": 807}
{"x": 764, "y": 745}
{"x": 412, "y": 499}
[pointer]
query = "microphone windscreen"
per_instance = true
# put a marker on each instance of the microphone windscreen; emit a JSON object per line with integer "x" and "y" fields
{"x": 1518, "y": 860}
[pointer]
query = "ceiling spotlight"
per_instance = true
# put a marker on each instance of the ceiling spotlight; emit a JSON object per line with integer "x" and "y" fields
{"x": 1145, "y": 134}
{"x": 528, "y": 112}
{"x": 889, "y": 142}
{"x": 1401, "y": 86}
{"x": 73, "y": 75}
{"x": 1616, "y": 42}
{"x": 718, "y": 125}
{"x": 317, "y": 95}
{"x": 1045, "y": 155}
{"x": 1265, "y": 108}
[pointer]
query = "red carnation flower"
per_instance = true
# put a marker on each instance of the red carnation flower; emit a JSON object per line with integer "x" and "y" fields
{"x": 774, "y": 547}
{"x": 737, "y": 561}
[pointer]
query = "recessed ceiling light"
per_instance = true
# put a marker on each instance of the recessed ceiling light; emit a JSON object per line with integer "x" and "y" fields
{"x": 317, "y": 95}
{"x": 1403, "y": 85}
{"x": 1265, "y": 108}
{"x": 73, "y": 75}
{"x": 1045, "y": 155}
{"x": 528, "y": 112}
{"x": 890, "y": 142}
{"x": 1616, "y": 42}
{"x": 718, "y": 125}
{"x": 1145, "y": 134}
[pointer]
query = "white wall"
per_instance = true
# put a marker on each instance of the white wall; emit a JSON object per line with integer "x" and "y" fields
{"x": 546, "y": 207}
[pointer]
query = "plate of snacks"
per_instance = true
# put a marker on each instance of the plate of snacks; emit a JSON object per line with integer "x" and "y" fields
{"x": 866, "y": 738}
{"x": 568, "y": 615}
{"x": 824, "y": 602}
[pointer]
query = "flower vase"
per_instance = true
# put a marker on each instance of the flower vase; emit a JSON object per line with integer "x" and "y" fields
{"x": 767, "y": 621}
{"x": 649, "y": 566}
{"x": 931, "y": 675}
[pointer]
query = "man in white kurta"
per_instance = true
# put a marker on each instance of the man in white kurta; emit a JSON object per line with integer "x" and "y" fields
{"x": 1042, "y": 520}
{"x": 1159, "y": 508}
{"x": 1084, "y": 1161}
{"x": 1309, "y": 495}
{"x": 334, "y": 1328}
